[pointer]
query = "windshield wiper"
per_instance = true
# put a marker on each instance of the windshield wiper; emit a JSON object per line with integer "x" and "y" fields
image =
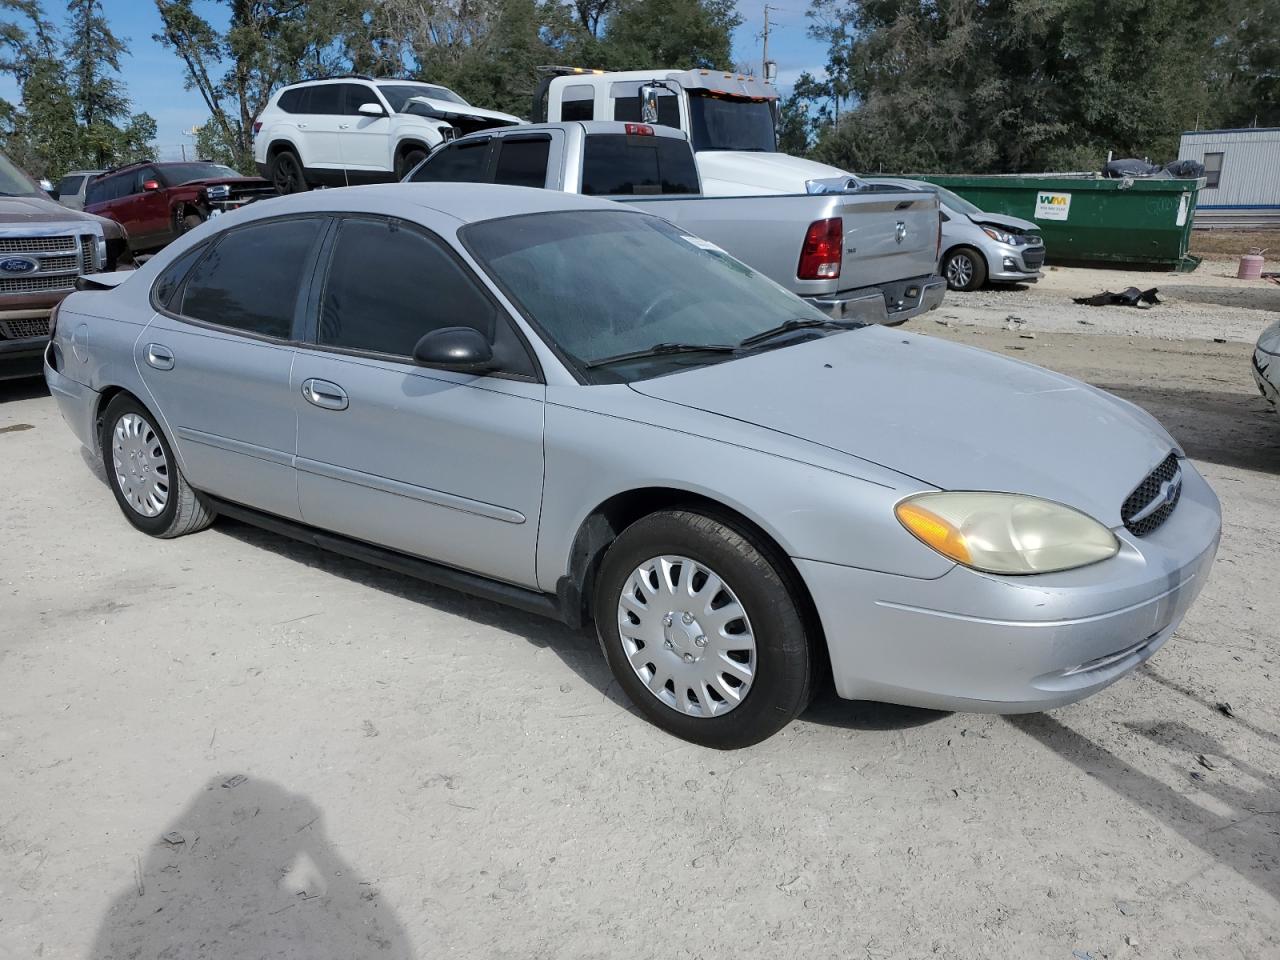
{"x": 798, "y": 324}
{"x": 662, "y": 349}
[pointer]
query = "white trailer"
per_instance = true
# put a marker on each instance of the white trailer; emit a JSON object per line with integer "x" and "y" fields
{"x": 1242, "y": 175}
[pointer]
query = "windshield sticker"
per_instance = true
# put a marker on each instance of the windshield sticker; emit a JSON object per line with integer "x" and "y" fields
{"x": 701, "y": 244}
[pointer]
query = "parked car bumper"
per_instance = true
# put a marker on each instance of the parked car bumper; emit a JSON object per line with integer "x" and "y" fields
{"x": 77, "y": 403}
{"x": 891, "y": 303}
{"x": 21, "y": 358}
{"x": 976, "y": 642}
{"x": 1010, "y": 264}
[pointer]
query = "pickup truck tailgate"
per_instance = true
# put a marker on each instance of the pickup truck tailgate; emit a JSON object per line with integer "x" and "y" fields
{"x": 887, "y": 236}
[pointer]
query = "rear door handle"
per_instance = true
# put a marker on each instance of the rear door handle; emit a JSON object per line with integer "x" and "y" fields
{"x": 159, "y": 356}
{"x": 322, "y": 393}
{"x": 302, "y": 126}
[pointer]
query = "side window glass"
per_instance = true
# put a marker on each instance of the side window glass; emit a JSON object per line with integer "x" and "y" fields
{"x": 171, "y": 279}
{"x": 95, "y": 192}
{"x": 522, "y": 161}
{"x": 626, "y": 104}
{"x": 291, "y": 101}
{"x": 456, "y": 163}
{"x": 353, "y": 94}
{"x": 578, "y": 103}
{"x": 69, "y": 186}
{"x": 390, "y": 314}
{"x": 250, "y": 280}
{"x": 326, "y": 98}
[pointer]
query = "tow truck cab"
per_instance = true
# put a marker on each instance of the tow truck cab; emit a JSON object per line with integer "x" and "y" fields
{"x": 730, "y": 120}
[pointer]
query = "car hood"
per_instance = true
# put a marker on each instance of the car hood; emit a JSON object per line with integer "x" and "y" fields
{"x": 728, "y": 173}
{"x": 229, "y": 181}
{"x": 954, "y": 417}
{"x": 37, "y": 210}
{"x": 1009, "y": 223}
{"x": 448, "y": 107}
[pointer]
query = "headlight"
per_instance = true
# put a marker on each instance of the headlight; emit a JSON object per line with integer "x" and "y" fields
{"x": 1006, "y": 532}
{"x": 998, "y": 235}
{"x": 219, "y": 191}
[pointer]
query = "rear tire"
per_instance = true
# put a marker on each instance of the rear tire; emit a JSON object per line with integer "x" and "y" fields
{"x": 965, "y": 269}
{"x": 286, "y": 173}
{"x": 144, "y": 475}
{"x": 408, "y": 160}
{"x": 666, "y": 608}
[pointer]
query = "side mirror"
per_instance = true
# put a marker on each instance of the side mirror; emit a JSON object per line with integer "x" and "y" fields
{"x": 649, "y": 103}
{"x": 150, "y": 185}
{"x": 371, "y": 110}
{"x": 461, "y": 349}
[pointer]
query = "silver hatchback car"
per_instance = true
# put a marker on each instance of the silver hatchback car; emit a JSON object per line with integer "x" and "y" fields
{"x": 576, "y": 408}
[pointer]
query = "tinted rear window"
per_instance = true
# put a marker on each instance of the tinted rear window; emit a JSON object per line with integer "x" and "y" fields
{"x": 522, "y": 161}
{"x": 615, "y": 164}
{"x": 325, "y": 99}
{"x": 294, "y": 101}
{"x": 68, "y": 186}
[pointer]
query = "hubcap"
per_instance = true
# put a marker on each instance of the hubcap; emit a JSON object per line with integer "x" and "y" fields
{"x": 141, "y": 468}
{"x": 686, "y": 636}
{"x": 960, "y": 271}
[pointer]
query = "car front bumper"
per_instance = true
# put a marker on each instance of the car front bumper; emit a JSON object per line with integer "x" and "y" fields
{"x": 1007, "y": 263}
{"x": 21, "y": 358}
{"x": 975, "y": 642}
{"x": 77, "y": 403}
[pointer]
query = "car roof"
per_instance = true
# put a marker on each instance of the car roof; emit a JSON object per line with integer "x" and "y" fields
{"x": 465, "y": 202}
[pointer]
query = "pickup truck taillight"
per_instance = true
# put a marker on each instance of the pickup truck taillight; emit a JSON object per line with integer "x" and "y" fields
{"x": 820, "y": 255}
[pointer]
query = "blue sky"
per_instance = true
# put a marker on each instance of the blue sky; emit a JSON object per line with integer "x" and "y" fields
{"x": 154, "y": 78}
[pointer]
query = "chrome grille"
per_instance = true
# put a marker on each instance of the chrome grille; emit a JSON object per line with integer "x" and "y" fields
{"x": 37, "y": 284}
{"x": 22, "y": 329}
{"x": 1034, "y": 258}
{"x": 55, "y": 264}
{"x": 87, "y": 244}
{"x": 37, "y": 244}
{"x": 1154, "y": 499}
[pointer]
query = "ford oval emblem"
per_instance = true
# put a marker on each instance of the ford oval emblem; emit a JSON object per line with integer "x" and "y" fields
{"x": 13, "y": 265}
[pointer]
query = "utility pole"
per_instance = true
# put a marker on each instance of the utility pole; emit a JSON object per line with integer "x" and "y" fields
{"x": 764, "y": 60}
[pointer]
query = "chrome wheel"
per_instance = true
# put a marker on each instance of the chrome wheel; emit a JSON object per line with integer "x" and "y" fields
{"x": 959, "y": 271}
{"x": 140, "y": 466}
{"x": 686, "y": 636}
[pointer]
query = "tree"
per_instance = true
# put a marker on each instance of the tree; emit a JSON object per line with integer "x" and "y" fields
{"x": 267, "y": 43}
{"x": 670, "y": 34}
{"x": 93, "y": 54}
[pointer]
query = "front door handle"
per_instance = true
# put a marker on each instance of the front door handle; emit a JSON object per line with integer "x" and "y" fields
{"x": 344, "y": 126}
{"x": 160, "y": 357}
{"x": 322, "y": 393}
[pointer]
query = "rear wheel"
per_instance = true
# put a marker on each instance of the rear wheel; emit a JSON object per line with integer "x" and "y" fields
{"x": 965, "y": 269}
{"x": 702, "y": 629}
{"x": 408, "y": 160}
{"x": 144, "y": 476}
{"x": 286, "y": 173}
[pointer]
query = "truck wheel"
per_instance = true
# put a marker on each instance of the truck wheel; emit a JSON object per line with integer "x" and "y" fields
{"x": 286, "y": 173}
{"x": 702, "y": 629}
{"x": 965, "y": 269}
{"x": 408, "y": 160}
{"x": 192, "y": 220}
{"x": 144, "y": 475}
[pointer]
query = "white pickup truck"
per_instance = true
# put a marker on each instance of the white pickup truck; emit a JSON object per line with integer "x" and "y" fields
{"x": 730, "y": 120}
{"x": 866, "y": 256}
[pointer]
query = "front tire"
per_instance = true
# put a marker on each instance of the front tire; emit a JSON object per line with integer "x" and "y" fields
{"x": 144, "y": 475}
{"x": 408, "y": 160}
{"x": 700, "y": 623}
{"x": 286, "y": 173}
{"x": 965, "y": 269}
{"x": 191, "y": 220}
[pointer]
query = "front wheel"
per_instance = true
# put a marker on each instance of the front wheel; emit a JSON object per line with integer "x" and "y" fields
{"x": 191, "y": 221}
{"x": 701, "y": 627}
{"x": 408, "y": 160}
{"x": 965, "y": 269}
{"x": 144, "y": 476}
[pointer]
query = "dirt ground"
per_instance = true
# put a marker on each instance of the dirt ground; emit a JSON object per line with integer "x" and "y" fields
{"x": 1234, "y": 243}
{"x": 230, "y": 745}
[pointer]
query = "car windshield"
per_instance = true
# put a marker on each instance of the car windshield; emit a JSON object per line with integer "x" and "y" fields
{"x": 957, "y": 202}
{"x": 725, "y": 123}
{"x": 398, "y": 94}
{"x": 15, "y": 183}
{"x": 604, "y": 284}
{"x": 175, "y": 174}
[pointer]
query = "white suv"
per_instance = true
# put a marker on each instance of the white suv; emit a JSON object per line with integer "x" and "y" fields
{"x": 357, "y": 129}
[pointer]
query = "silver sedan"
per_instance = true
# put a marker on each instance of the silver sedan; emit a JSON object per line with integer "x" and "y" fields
{"x": 583, "y": 411}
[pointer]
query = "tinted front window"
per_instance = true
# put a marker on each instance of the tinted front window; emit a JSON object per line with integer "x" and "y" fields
{"x": 615, "y": 164}
{"x": 389, "y": 285}
{"x": 250, "y": 280}
{"x": 602, "y": 283}
{"x": 326, "y": 98}
{"x": 522, "y": 162}
{"x": 353, "y": 95}
{"x": 722, "y": 123}
{"x": 174, "y": 174}
{"x": 15, "y": 183}
{"x": 398, "y": 94}
{"x": 457, "y": 163}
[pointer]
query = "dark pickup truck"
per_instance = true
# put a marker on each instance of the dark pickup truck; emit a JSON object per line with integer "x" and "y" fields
{"x": 44, "y": 247}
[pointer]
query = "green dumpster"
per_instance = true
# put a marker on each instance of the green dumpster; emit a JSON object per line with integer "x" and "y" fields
{"x": 1086, "y": 218}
